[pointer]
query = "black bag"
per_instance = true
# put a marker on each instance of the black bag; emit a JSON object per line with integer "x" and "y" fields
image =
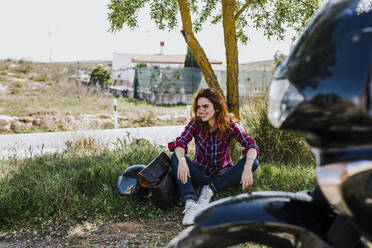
{"x": 158, "y": 178}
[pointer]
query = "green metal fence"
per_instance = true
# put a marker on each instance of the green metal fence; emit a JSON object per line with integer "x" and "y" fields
{"x": 168, "y": 80}
{"x": 189, "y": 80}
{"x": 254, "y": 83}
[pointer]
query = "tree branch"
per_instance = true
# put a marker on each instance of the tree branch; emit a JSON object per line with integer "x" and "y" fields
{"x": 196, "y": 49}
{"x": 232, "y": 63}
{"x": 245, "y": 6}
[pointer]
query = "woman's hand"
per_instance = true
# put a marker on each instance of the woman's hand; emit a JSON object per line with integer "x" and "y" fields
{"x": 247, "y": 178}
{"x": 183, "y": 172}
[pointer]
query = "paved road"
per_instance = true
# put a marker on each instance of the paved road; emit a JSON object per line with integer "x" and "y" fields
{"x": 29, "y": 144}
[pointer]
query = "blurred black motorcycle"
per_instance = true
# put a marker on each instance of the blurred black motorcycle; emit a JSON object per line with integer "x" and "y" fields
{"x": 324, "y": 89}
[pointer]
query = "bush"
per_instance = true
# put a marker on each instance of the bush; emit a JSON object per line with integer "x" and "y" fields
{"x": 276, "y": 145}
{"x": 100, "y": 75}
{"x": 24, "y": 67}
{"x": 190, "y": 60}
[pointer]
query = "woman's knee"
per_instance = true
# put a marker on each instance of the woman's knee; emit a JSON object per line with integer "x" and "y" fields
{"x": 174, "y": 156}
{"x": 255, "y": 164}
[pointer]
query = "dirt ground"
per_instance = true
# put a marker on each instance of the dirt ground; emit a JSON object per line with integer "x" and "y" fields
{"x": 149, "y": 233}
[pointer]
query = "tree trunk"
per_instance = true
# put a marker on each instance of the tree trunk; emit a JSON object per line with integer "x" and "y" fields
{"x": 195, "y": 47}
{"x": 232, "y": 64}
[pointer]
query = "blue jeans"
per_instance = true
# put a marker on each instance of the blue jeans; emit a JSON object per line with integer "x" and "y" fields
{"x": 231, "y": 176}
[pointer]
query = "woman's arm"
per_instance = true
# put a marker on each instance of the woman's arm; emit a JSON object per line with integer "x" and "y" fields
{"x": 243, "y": 138}
{"x": 250, "y": 152}
{"x": 250, "y": 157}
{"x": 183, "y": 140}
{"x": 183, "y": 169}
{"x": 179, "y": 146}
{"x": 247, "y": 177}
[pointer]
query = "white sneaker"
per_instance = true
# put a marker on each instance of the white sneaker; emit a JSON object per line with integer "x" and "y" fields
{"x": 205, "y": 196}
{"x": 191, "y": 209}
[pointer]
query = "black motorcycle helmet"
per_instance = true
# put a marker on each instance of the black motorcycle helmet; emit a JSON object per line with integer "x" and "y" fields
{"x": 128, "y": 182}
{"x": 324, "y": 86}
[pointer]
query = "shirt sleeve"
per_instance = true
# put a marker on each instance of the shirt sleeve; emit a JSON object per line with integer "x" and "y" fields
{"x": 184, "y": 139}
{"x": 243, "y": 138}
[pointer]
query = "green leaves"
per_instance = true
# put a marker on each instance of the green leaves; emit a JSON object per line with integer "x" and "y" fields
{"x": 125, "y": 12}
{"x": 275, "y": 18}
{"x": 164, "y": 12}
{"x": 207, "y": 9}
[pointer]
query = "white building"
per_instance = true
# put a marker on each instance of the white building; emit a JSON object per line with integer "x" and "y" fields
{"x": 123, "y": 64}
{"x": 264, "y": 65}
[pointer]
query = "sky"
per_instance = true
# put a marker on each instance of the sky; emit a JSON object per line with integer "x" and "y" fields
{"x": 76, "y": 30}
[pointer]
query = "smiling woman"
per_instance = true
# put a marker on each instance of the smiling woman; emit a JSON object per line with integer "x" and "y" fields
{"x": 212, "y": 129}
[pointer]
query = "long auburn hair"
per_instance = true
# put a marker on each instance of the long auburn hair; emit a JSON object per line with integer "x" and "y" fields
{"x": 223, "y": 117}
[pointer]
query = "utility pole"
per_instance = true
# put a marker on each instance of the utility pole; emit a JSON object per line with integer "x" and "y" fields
{"x": 78, "y": 70}
{"x": 50, "y": 43}
{"x": 115, "y": 113}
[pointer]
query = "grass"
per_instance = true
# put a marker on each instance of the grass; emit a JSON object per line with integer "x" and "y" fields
{"x": 80, "y": 184}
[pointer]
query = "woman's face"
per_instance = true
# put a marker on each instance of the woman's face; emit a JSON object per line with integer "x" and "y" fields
{"x": 205, "y": 109}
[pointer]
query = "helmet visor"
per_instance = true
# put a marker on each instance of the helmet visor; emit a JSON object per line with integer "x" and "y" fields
{"x": 283, "y": 99}
{"x": 127, "y": 185}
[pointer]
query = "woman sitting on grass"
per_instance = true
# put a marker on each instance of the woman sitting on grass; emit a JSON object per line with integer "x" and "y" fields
{"x": 212, "y": 128}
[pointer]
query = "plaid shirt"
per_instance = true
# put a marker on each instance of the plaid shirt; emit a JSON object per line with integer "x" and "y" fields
{"x": 213, "y": 153}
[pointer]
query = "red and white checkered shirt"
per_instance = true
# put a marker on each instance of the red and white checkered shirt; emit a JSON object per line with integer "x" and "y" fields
{"x": 212, "y": 153}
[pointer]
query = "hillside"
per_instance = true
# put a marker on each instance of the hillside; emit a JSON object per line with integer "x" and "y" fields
{"x": 39, "y": 97}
